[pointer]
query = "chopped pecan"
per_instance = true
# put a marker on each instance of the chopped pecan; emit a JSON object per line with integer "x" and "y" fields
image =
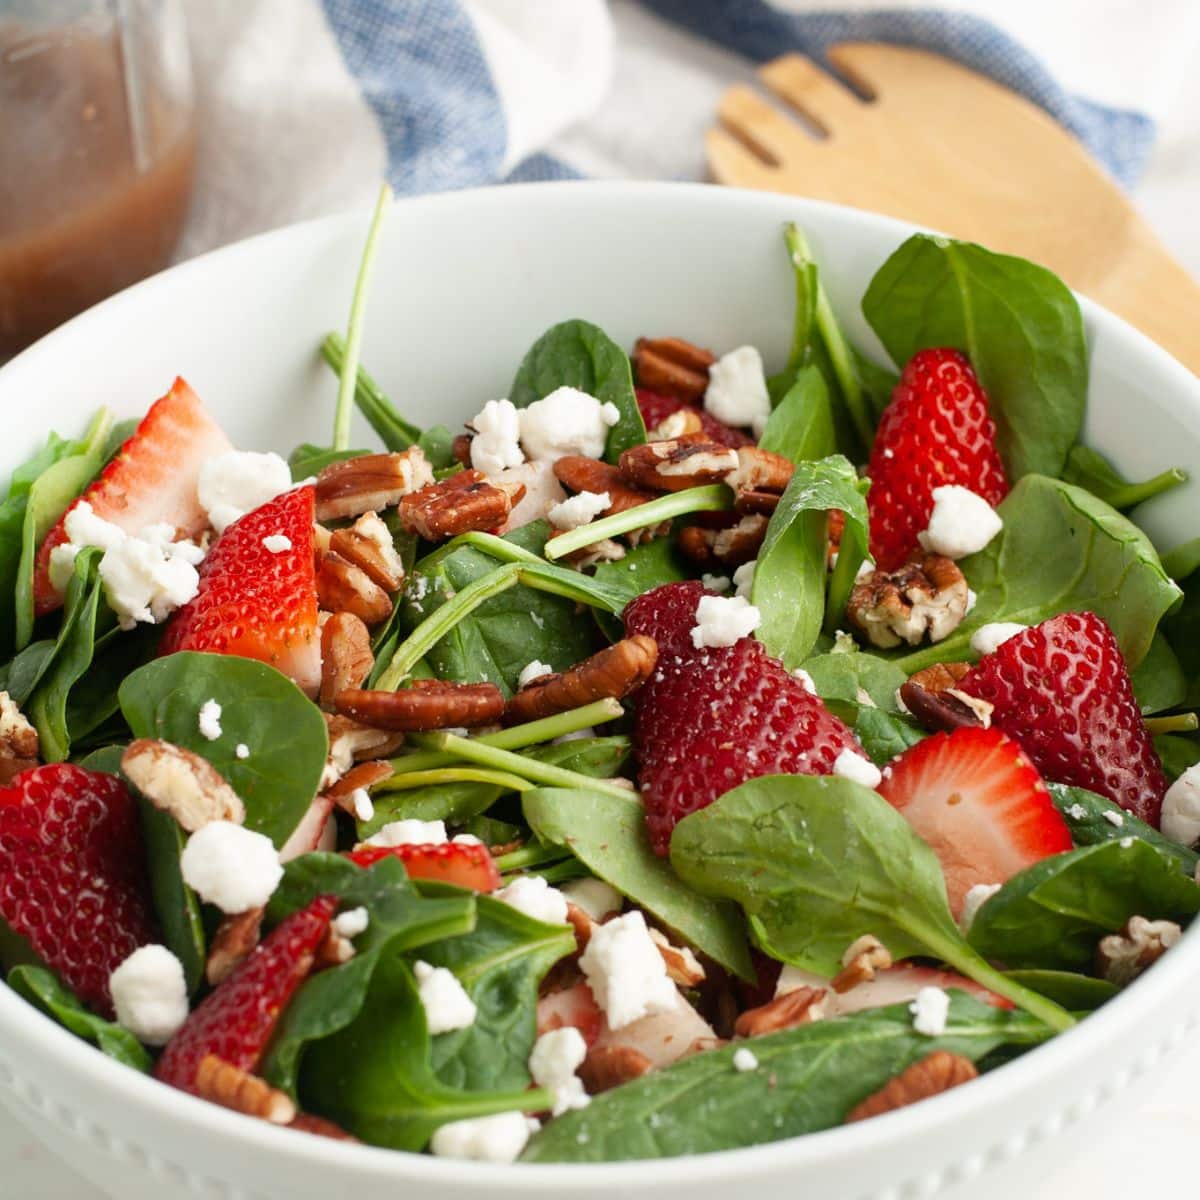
{"x": 222, "y": 1083}
{"x": 350, "y": 742}
{"x": 181, "y": 783}
{"x": 608, "y": 1067}
{"x": 936, "y": 1072}
{"x": 235, "y": 938}
{"x": 369, "y": 546}
{"x": 461, "y": 449}
{"x": 672, "y": 367}
{"x": 940, "y": 676}
{"x": 680, "y": 423}
{"x": 927, "y": 596}
{"x": 370, "y": 483}
{"x": 784, "y": 1012}
{"x": 1122, "y": 957}
{"x": 605, "y": 550}
{"x": 428, "y": 704}
{"x": 18, "y": 740}
{"x": 364, "y": 775}
{"x": 582, "y": 474}
{"x": 581, "y": 922}
{"x": 310, "y": 1123}
{"x": 730, "y": 547}
{"x": 343, "y": 587}
{"x": 333, "y": 949}
{"x": 678, "y": 464}
{"x": 461, "y": 503}
{"x": 932, "y": 697}
{"x": 862, "y": 959}
{"x": 613, "y": 672}
{"x": 346, "y": 658}
{"x": 760, "y": 471}
{"x": 683, "y": 967}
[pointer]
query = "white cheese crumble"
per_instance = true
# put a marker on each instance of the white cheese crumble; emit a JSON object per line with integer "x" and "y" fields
{"x": 743, "y": 578}
{"x": 533, "y": 896}
{"x": 496, "y": 1139}
{"x": 626, "y": 972}
{"x": 208, "y": 720}
{"x": 1077, "y": 812}
{"x": 849, "y": 764}
{"x": 805, "y": 680}
{"x": 724, "y": 620}
{"x": 567, "y": 421}
{"x": 744, "y": 1059}
{"x": 277, "y": 543}
{"x": 149, "y": 994}
{"x": 352, "y": 922}
{"x": 987, "y": 639}
{"x": 1125, "y": 843}
{"x": 930, "y": 1009}
{"x": 533, "y": 670}
{"x": 1113, "y": 818}
{"x": 737, "y": 389}
{"x": 961, "y": 523}
{"x": 715, "y": 583}
{"x": 579, "y": 510}
{"x": 360, "y": 801}
{"x": 977, "y": 895}
{"x": 238, "y": 482}
{"x": 410, "y": 833}
{"x": 230, "y": 866}
{"x": 556, "y": 1057}
{"x": 1181, "y": 808}
{"x": 496, "y": 445}
{"x": 594, "y": 896}
{"x": 445, "y": 1000}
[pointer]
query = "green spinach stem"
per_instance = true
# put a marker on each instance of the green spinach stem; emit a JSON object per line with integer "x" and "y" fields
{"x": 497, "y": 547}
{"x": 1133, "y": 494}
{"x": 1176, "y": 723}
{"x": 415, "y": 779}
{"x": 851, "y": 555}
{"x": 392, "y": 429}
{"x": 533, "y": 855}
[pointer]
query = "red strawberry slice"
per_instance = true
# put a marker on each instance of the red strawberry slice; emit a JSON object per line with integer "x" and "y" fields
{"x": 979, "y": 803}
{"x": 72, "y": 874}
{"x": 573, "y": 1007}
{"x": 1062, "y": 690}
{"x": 235, "y": 1022}
{"x": 151, "y": 479}
{"x": 935, "y": 431}
{"x": 256, "y": 602}
{"x": 710, "y": 719}
{"x": 655, "y": 409}
{"x": 464, "y": 864}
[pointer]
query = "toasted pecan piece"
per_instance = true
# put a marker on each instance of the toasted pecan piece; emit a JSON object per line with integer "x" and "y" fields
{"x": 683, "y": 967}
{"x": 608, "y": 1067}
{"x": 784, "y": 1012}
{"x": 582, "y": 474}
{"x": 427, "y": 705}
{"x": 362, "y": 775}
{"x": 672, "y": 367}
{"x": 729, "y": 547}
{"x": 926, "y": 597}
{"x": 461, "y": 449}
{"x": 181, "y": 783}
{"x": 863, "y": 957}
{"x": 679, "y": 464}
{"x": 232, "y": 943}
{"x": 370, "y": 483}
{"x": 351, "y": 742}
{"x": 760, "y": 470}
{"x": 346, "y": 657}
{"x": 369, "y": 546}
{"x": 935, "y": 1073}
{"x": 222, "y": 1083}
{"x": 19, "y": 747}
{"x": 343, "y": 587}
{"x": 611, "y": 673}
{"x": 1122, "y": 957}
{"x": 681, "y": 423}
{"x": 466, "y": 501}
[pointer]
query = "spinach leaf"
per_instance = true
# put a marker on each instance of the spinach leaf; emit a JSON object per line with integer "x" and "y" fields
{"x": 1089, "y": 469}
{"x": 438, "y": 444}
{"x": 308, "y": 459}
{"x": 260, "y": 708}
{"x": 801, "y": 426}
{"x": 93, "y": 700}
{"x": 644, "y": 568}
{"x": 884, "y": 735}
{"x": 1017, "y": 322}
{"x": 1077, "y": 993}
{"x": 808, "y": 1079}
{"x": 850, "y": 681}
{"x": 789, "y": 580}
{"x": 1182, "y": 627}
{"x": 580, "y": 355}
{"x": 1178, "y": 753}
{"x": 43, "y": 989}
{"x": 1183, "y": 561}
{"x": 609, "y": 837}
{"x": 25, "y": 671}
{"x": 1158, "y": 680}
{"x": 1062, "y": 550}
{"x": 1053, "y": 913}
{"x": 176, "y": 905}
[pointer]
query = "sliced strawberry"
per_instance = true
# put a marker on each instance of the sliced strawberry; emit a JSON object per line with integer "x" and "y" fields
{"x": 256, "y": 602}
{"x": 463, "y": 864}
{"x": 979, "y": 803}
{"x": 655, "y": 409}
{"x": 575, "y": 1007}
{"x": 936, "y": 431}
{"x": 710, "y": 719}
{"x": 73, "y": 875}
{"x": 235, "y": 1022}
{"x": 1062, "y": 690}
{"x": 151, "y": 480}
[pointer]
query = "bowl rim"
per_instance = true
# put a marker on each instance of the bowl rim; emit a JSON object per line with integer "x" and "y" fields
{"x": 62, "y": 1052}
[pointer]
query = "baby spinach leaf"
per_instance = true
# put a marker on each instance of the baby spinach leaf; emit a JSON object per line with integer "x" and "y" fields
{"x": 608, "y": 836}
{"x": 801, "y": 426}
{"x": 1089, "y": 469}
{"x": 808, "y": 1078}
{"x": 789, "y": 580}
{"x": 644, "y": 568}
{"x": 260, "y": 708}
{"x": 438, "y": 444}
{"x": 20, "y": 676}
{"x": 884, "y": 735}
{"x": 107, "y": 759}
{"x": 1158, "y": 680}
{"x": 1077, "y": 993}
{"x": 1178, "y": 753}
{"x": 93, "y": 700}
{"x": 1017, "y": 322}
{"x": 852, "y": 681}
{"x": 581, "y": 355}
{"x": 1053, "y": 913}
{"x": 43, "y": 989}
{"x": 1182, "y": 626}
{"x": 1062, "y": 550}
{"x": 308, "y": 459}
{"x": 1183, "y": 561}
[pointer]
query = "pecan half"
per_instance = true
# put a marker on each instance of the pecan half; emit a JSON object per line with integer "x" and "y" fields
{"x": 461, "y": 449}
{"x": 1122, "y": 957}
{"x": 613, "y": 672}
{"x": 364, "y": 775}
{"x": 463, "y": 502}
{"x": 680, "y": 423}
{"x": 343, "y": 587}
{"x": 924, "y": 597}
{"x": 18, "y": 740}
{"x": 784, "y": 1012}
{"x": 945, "y": 708}
{"x": 582, "y": 474}
{"x": 608, "y": 1067}
{"x": 683, "y": 967}
{"x": 333, "y": 949}
{"x": 672, "y": 367}
{"x": 350, "y": 742}
{"x": 862, "y": 959}
{"x": 730, "y": 547}
{"x": 222, "y": 1083}
{"x": 346, "y": 658}
{"x": 940, "y": 677}
{"x": 760, "y": 472}
{"x": 181, "y": 783}
{"x": 936, "y": 1072}
{"x": 370, "y": 483}
{"x": 234, "y": 939}
{"x": 580, "y": 921}
{"x": 369, "y": 546}
{"x": 428, "y": 704}
{"x": 679, "y": 464}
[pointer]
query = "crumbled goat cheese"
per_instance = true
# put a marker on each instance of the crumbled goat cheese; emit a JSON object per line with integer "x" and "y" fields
{"x": 987, "y": 639}
{"x": 445, "y": 1000}
{"x": 410, "y": 833}
{"x": 714, "y": 583}
{"x": 961, "y": 523}
{"x": 360, "y": 801}
{"x": 930, "y": 1009}
{"x": 972, "y": 600}
{"x": 1125, "y": 843}
{"x": 737, "y": 389}
{"x": 579, "y": 510}
{"x": 496, "y": 445}
{"x": 743, "y": 578}
{"x": 1181, "y": 808}
{"x": 150, "y": 995}
{"x": 567, "y": 421}
{"x": 533, "y": 896}
{"x": 626, "y": 972}
{"x": 973, "y": 901}
{"x": 806, "y": 680}
{"x": 849, "y": 764}
{"x": 744, "y": 1059}
{"x": 1113, "y": 818}
{"x": 238, "y": 482}
{"x": 241, "y": 750}
{"x": 497, "y": 1139}
{"x": 533, "y": 670}
{"x": 1077, "y": 812}
{"x": 466, "y": 839}
{"x": 231, "y": 866}
{"x": 277, "y": 543}
{"x": 594, "y": 896}
{"x": 208, "y": 720}
{"x": 843, "y": 643}
{"x": 352, "y": 922}
{"x": 723, "y": 620}
{"x": 556, "y": 1057}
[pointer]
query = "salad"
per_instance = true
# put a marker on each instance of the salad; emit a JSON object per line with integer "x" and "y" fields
{"x": 677, "y": 758}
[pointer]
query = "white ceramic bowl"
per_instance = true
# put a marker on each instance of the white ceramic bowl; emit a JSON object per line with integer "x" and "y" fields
{"x": 463, "y": 285}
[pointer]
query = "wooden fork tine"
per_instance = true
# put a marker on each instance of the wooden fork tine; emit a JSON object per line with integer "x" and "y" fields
{"x": 748, "y": 115}
{"x": 730, "y": 161}
{"x": 872, "y": 66}
{"x": 822, "y": 99}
